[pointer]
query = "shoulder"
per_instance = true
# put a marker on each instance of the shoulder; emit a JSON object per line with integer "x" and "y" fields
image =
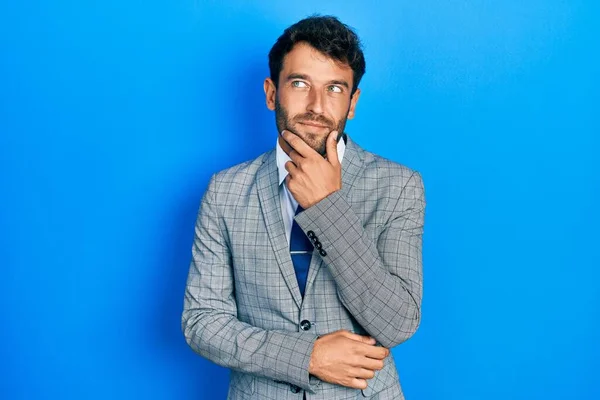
{"x": 387, "y": 173}
{"x": 241, "y": 173}
{"x": 237, "y": 179}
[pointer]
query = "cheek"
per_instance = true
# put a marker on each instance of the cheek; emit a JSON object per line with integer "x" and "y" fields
{"x": 339, "y": 108}
{"x": 294, "y": 102}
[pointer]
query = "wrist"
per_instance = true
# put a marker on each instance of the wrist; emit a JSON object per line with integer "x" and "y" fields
{"x": 312, "y": 361}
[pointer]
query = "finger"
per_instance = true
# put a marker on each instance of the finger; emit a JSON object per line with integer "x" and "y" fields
{"x": 376, "y": 352}
{"x": 288, "y": 181}
{"x": 331, "y": 146}
{"x": 298, "y": 144}
{"x": 358, "y": 383}
{"x": 370, "y": 364}
{"x": 296, "y": 157}
{"x": 291, "y": 168}
{"x": 358, "y": 338}
{"x": 363, "y": 373}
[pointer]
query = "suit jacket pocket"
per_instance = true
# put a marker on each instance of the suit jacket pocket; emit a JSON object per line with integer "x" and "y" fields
{"x": 242, "y": 382}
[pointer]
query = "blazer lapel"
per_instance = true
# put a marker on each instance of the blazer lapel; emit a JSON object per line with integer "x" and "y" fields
{"x": 268, "y": 193}
{"x": 352, "y": 166}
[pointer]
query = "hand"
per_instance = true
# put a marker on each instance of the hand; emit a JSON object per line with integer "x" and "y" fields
{"x": 311, "y": 177}
{"x": 346, "y": 359}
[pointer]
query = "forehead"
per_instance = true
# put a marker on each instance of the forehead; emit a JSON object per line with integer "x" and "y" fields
{"x": 305, "y": 59}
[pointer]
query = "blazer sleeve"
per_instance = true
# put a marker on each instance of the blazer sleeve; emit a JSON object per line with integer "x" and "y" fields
{"x": 379, "y": 282}
{"x": 209, "y": 319}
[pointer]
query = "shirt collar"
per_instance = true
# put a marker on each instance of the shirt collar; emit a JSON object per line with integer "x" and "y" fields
{"x": 282, "y": 158}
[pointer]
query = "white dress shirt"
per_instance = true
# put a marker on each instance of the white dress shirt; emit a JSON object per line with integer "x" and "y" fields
{"x": 288, "y": 203}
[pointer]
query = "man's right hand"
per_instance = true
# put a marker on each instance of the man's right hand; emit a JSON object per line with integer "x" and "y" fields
{"x": 346, "y": 359}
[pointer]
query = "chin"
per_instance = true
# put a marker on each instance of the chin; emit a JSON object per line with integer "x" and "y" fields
{"x": 314, "y": 140}
{"x": 314, "y": 137}
{"x": 311, "y": 135}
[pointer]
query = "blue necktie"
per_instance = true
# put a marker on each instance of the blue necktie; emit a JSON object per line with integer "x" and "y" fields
{"x": 301, "y": 251}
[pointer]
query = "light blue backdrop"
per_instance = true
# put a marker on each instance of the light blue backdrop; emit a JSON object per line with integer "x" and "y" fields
{"x": 114, "y": 114}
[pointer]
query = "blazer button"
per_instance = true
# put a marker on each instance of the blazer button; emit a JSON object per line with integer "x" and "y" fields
{"x": 294, "y": 389}
{"x": 322, "y": 252}
{"x": 318, "y": 245}
{"x": 305, "y": 325}
{"x": 310, "y": 234}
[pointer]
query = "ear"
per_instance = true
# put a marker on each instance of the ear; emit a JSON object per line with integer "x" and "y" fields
{"x": 353, "y": 101}
{"x": 270, "y": 93}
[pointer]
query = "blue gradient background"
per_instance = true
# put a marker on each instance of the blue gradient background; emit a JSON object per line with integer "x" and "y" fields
{"x": 114, "y": 114}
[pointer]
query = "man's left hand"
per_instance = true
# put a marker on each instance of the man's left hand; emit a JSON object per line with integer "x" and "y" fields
{"x": 311, "y": 177}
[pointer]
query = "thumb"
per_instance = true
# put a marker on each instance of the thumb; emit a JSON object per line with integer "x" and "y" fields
{"x": 332, "y": 154}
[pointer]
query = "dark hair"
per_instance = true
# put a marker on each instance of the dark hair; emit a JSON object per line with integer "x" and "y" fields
{"x": 327, "y": 35}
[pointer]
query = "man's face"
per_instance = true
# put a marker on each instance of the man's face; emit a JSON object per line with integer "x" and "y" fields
{"x": 313, "y": 97}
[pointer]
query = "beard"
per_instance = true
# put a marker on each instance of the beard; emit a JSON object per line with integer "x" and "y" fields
{"x": 317, "y": 142}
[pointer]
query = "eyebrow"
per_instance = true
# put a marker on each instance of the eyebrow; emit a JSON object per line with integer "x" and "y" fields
{"x": 307, "y": 78}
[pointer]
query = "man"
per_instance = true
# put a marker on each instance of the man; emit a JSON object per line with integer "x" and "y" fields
{"x": 306, "y": 265}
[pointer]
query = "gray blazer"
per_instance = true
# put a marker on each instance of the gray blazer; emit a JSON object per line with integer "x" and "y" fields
{"x": 243, "y": 308}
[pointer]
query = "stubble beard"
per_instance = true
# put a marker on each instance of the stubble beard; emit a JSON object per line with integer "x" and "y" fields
{"x": 317, "y": 142}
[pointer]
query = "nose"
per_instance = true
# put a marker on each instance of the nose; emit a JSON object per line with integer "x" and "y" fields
{"x": 315, "y": 103}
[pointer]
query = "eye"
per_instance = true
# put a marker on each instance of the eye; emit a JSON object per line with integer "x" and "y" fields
{"x": 334, "y": 89}
{"x": 299, "y": 84}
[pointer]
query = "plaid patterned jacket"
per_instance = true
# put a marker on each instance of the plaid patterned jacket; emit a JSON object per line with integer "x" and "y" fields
{"x": 243, "y": 308}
